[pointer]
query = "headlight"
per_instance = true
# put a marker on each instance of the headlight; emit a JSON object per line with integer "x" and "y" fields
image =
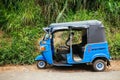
{"x": 42, "y": 48}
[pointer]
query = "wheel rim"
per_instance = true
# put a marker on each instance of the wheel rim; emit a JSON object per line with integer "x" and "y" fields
{"x": 99, "y": 66}
{"x": 41, "y": 64}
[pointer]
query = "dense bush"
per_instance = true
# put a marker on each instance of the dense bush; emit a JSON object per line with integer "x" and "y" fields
{"x": 114, "y": 44}
{"x": 22, "y": 21}
{"x": 22, "y": 25}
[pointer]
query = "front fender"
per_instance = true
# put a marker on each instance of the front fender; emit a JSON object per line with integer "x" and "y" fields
{"x": 40, "y": 57}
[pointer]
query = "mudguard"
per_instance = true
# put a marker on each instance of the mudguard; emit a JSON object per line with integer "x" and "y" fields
{"x": 99, "y": 55}
{"x": 40, "y": 57}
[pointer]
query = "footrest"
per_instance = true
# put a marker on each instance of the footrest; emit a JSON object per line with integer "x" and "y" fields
{"x": 77, "y": 58}
{"x": 62, "y": 65}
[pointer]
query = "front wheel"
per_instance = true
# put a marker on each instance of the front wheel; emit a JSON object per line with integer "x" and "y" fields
{"x": 99, "y": 65}
{"x": 41, "y": 64}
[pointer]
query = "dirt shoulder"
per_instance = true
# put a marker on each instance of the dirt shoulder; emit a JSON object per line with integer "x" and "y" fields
{"x": 115, "y": 66}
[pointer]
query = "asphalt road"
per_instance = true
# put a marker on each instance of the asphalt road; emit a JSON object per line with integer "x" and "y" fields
{"x": 81, "y": 72}
{"x": 56, "y": 75}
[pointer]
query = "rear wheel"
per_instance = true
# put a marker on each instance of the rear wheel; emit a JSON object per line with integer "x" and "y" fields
{"x": 41, "y": 64}
{"x": 99, "y": 65}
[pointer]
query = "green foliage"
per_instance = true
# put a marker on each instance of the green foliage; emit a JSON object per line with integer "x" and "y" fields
{"x": 22, "y": 22}
{"x": 114, "y": 44}
{"x": 21, "y": 50}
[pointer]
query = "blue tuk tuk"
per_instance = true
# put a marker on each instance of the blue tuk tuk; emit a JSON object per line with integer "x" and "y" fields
{"x": 92, "y": 50}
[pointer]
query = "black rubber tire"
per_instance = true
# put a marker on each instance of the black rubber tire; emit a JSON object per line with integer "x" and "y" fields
{"x": 99, "y": 65}
{"x": 41, "y": 64}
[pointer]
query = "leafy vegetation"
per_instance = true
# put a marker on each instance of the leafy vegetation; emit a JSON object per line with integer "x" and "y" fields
{"x": 21, "y": 23}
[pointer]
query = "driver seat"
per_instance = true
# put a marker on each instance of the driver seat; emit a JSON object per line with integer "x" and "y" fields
{"x": 63, "y": 50}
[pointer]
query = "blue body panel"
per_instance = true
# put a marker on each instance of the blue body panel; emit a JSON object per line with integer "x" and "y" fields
{"x": 47, "y": 55}
{"x": 91, "y": 52}
{"x": 96, "y": 50}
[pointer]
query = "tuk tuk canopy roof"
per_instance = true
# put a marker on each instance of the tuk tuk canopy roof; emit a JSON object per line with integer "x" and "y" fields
{"x": 75, "y": 25}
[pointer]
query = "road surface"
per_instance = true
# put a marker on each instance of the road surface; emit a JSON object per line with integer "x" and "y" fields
{"x": 59, "y": 73}
{"x": 45, "y": 75}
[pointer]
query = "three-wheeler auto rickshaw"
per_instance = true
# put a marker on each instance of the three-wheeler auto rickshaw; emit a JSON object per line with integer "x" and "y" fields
{"x": 92, "y": 50}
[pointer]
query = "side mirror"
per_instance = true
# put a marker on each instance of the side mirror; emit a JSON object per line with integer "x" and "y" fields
{"x": 47, "y": 36}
